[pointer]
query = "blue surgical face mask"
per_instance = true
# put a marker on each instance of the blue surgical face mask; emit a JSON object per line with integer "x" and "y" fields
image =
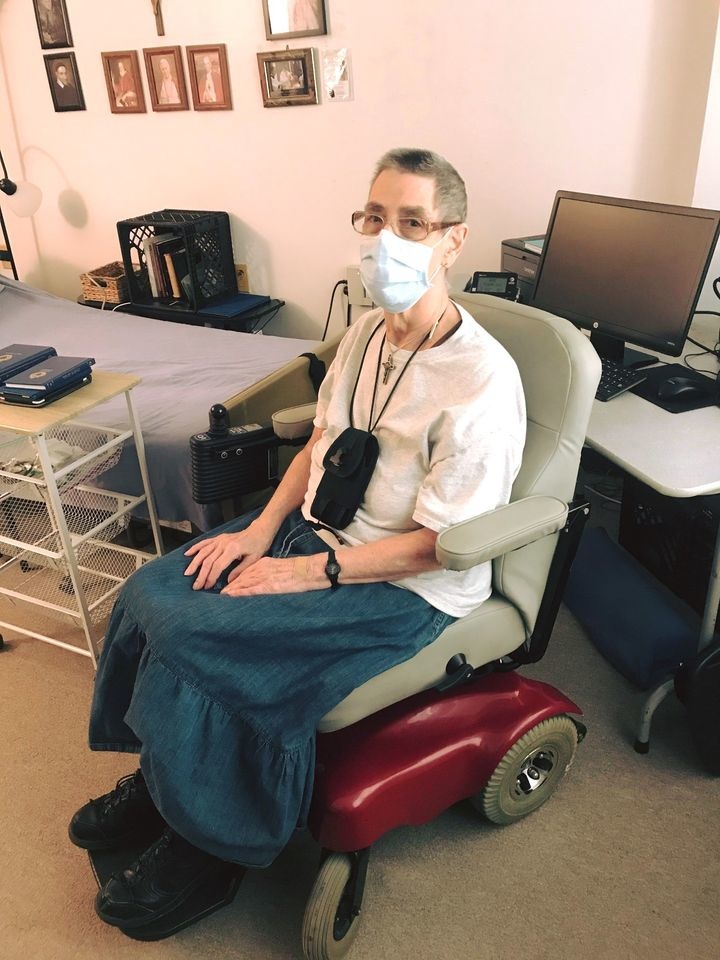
{"x": 394, "y": 271}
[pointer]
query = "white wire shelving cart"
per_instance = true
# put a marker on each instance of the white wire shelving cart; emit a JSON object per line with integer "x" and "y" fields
{"x": 58, "y": 531}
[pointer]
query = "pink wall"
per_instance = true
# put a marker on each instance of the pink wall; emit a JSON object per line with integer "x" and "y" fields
{"x": 525, "y": 98}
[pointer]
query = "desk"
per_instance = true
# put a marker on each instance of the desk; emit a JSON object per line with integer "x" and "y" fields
{"x": 678, "y": 455}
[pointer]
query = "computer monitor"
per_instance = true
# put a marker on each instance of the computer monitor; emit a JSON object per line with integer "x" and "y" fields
{"x": 626, "y": 270}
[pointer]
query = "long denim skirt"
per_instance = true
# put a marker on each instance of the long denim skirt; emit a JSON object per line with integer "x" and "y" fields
{"x": 221, "y": 695}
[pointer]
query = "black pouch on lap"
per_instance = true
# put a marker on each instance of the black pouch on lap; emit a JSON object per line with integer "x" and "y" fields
{"x": 349, "y": 464}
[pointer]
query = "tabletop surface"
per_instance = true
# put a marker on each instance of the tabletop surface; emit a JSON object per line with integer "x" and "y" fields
{"x": 677, "y": 454}
{"x": 34, "y": 420}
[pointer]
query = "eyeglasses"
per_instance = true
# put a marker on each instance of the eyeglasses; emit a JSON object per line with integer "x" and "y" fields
{"x": 410, "y": 228}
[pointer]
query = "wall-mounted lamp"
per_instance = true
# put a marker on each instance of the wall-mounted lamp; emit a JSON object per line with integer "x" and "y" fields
{"x": 23, "y": 199}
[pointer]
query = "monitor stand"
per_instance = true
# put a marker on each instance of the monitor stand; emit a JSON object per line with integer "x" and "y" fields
{"x": 611, "y": 348}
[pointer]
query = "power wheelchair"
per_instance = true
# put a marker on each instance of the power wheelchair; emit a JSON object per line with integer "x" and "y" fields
{"x": 457, "y": 721}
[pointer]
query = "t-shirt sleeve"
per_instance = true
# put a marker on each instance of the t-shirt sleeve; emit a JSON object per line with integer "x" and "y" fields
{"x": 475, "y": 456}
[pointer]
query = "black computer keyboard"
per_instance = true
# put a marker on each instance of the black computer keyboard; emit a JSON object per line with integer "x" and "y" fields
{"x": 616, "y": 379}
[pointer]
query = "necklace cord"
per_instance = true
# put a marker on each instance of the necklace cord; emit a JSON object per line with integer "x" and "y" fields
{"x": 371, "y": 426}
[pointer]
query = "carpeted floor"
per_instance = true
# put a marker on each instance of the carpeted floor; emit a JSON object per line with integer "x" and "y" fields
{"x": 623, "y": 862}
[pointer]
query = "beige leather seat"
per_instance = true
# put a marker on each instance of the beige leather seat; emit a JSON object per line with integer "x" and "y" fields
{"x": 560, "y": 371}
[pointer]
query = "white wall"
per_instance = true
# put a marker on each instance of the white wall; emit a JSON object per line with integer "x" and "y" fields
{"x": 524, "y": 97}
{"x": 707, "y": 184}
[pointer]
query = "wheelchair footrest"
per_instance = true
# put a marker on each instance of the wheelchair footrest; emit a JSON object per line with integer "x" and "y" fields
{"x": 216, "y": 893}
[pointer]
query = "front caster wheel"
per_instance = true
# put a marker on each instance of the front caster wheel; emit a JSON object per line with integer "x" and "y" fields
{"x": 331, "y": 920}
{"x": 530, "y": 771}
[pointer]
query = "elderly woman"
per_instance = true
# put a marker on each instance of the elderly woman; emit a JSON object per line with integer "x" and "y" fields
{"x": 220, "y": 659}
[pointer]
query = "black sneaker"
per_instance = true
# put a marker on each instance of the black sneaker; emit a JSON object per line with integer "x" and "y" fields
{"x": 126, "y": 813}
{"x": 160, "y": 881}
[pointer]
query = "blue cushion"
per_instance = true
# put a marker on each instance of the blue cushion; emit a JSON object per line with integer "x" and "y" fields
{"x": 630, "y": 617}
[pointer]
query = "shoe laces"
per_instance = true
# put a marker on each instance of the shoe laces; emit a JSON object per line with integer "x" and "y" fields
{"x": 124, "y": 789}
{"x": 148, "y": 861}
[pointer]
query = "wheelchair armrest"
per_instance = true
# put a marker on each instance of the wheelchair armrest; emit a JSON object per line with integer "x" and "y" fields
{"x": 293, "y": 423}
{"x": 500, "y": 531}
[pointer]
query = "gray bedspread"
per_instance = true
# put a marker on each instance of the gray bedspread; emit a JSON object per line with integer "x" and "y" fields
{"x": 184, "y": 370}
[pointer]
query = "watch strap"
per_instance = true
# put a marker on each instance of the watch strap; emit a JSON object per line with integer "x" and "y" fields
{"x": 332, "y": 569}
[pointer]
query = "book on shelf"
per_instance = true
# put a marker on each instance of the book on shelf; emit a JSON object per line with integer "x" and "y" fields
{"x": 19, "y": 356}
{"x": 167, "y": 265}
{"x": 176, "y": 266}
{"x": 157, "y": 273}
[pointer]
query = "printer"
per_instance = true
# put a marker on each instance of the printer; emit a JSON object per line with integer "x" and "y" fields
{"x": 517, "y": 257}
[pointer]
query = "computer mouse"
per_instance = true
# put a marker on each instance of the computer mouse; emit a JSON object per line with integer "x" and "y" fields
{"x": 682, "y": 388}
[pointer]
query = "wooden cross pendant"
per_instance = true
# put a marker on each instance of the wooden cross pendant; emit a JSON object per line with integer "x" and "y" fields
{"x": 388, "y": 367}
{"x": 157, "y": 10}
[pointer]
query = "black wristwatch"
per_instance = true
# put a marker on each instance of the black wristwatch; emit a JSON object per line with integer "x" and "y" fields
{"x": 332, "y": 569}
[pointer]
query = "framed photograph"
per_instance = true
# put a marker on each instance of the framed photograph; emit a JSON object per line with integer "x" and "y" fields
{"x": 53, "y": 24}
{"x": 166, "y": 78}
{"x": 64, "y": 81}
{"x": 209, "y": 81}
{"x": 294, "y": 18}
{"x": 287, "y": 78}
{"x": 123, "y": 80}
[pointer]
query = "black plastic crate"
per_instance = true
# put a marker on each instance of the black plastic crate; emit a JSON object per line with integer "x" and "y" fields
{"x": 207, "y": 244}
{"x": 672, "y": 537}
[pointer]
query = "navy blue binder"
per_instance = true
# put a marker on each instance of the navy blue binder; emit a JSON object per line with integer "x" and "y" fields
{"x": 46, "y": 380}
{"x": 234, "y": 306}
{"x": 19, "y": 356}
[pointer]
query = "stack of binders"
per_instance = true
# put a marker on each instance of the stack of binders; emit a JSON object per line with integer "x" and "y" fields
{"x": 35, "y": 376}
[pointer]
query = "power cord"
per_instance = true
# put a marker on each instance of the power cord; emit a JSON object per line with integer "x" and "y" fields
{"x": 340, "y": 283}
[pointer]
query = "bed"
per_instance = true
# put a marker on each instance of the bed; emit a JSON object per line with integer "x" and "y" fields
{"x": 184, "y": 370}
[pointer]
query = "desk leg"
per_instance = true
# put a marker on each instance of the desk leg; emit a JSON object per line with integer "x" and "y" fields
{"x": 707, "y": 631}
{"x": 642, "y": 741}
{"x": 712, "y": 598}
{"x": 142, "y": 463}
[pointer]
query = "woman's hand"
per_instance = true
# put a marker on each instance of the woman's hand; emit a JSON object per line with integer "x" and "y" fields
{"x": 213, "y": 555}
{"x": 272, "y": 575}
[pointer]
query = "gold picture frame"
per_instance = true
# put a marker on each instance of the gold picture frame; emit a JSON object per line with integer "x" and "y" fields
{"x": 285, "y": 19}
{"x": 287, "y": 77}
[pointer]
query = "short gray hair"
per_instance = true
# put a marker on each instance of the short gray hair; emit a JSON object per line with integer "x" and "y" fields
{"x": 450, "y": 193}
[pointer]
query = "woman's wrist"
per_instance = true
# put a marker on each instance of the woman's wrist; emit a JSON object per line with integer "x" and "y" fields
{"x": 310, "y": 571}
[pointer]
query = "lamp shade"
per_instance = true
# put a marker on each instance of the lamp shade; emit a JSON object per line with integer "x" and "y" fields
{"x": 24, "y": 200}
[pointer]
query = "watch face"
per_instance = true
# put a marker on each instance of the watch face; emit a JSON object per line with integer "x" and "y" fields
{"x": 332, "y": 569}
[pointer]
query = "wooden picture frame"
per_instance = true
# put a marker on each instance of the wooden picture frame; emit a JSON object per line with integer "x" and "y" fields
{"x": 124, "y": 81}
{"x": 166, "y": 78}
{"x": 209, "y": 79}
{"x": 52, "y": 23}
{"x": 64, "y": 80}
{"x": 287, "y": 77}
{"x": 294, "y": 18}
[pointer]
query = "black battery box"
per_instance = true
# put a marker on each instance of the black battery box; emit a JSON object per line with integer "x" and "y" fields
{"x": 232, "y": 461}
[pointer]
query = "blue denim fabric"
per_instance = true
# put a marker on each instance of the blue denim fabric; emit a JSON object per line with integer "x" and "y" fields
{"x": 221, "y": 695}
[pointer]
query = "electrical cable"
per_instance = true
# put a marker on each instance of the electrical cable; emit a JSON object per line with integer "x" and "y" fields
{"x": 339, "y": 283}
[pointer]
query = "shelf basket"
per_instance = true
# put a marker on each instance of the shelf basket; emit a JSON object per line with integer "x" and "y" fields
{"x": 108, "y": 284}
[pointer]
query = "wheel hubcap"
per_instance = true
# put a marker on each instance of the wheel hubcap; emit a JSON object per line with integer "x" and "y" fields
{"x": 534, "y": 772}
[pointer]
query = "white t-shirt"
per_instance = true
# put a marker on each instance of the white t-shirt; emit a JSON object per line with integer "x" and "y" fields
{"x": 451, "y": 440}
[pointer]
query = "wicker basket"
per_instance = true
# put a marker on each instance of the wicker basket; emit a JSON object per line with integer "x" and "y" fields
{"x": 107, "y": 283}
